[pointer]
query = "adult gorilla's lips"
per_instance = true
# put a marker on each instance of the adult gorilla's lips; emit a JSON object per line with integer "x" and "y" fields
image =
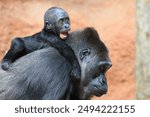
{"x": 98, "y": 86}
{"x": 98, "y": 91}
{"x": 63, "y": 35}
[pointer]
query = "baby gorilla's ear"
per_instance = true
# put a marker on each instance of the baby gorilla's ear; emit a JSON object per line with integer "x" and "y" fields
{"x": 48, "y": 25}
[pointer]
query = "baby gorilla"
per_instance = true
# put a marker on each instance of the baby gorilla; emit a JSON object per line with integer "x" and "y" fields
{"x": 56, "y": 22}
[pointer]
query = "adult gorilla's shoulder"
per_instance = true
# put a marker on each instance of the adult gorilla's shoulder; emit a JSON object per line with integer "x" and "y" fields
{"x": 39, "y": 75}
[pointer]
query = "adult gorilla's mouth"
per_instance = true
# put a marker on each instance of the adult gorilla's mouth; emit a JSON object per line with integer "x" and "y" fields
{"x": 97, "y": 91}
{"x": 98, "y": 86}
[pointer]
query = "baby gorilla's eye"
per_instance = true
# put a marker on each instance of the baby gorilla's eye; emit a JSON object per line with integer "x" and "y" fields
{"x": 67, "y": 20}
{"x": 60, "y": 21}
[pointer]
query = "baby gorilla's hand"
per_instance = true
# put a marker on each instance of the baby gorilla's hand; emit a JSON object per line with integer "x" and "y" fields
{"x": 5, "y": 65}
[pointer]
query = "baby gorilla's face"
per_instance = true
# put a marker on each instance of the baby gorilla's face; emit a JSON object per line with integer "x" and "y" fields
{"x": 63, "y": 25}
{"x": 57, "y": 20}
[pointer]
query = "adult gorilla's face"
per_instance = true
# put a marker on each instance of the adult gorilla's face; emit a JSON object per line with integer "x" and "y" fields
{"x": 94, "y": 60}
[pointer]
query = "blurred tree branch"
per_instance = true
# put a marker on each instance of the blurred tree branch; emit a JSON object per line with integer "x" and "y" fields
{"x": 143, "y": 50}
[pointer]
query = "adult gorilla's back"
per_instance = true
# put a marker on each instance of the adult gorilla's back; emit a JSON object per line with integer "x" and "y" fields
{"x": 45, "y": 74}
{"x": 39, "y": 75}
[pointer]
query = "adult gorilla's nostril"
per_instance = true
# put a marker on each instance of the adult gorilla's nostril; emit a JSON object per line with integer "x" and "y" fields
{"x": 102, "y": 79}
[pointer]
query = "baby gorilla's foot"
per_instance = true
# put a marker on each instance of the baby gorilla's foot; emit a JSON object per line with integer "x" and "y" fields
{"x": 5, "y": 65}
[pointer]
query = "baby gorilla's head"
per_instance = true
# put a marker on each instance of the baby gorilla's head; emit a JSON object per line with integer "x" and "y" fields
{"x": 57, "y": 20}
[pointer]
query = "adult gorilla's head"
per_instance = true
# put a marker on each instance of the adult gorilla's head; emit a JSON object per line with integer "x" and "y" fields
{"x": 94, "y": 60}
{"x": 44, "y": 74}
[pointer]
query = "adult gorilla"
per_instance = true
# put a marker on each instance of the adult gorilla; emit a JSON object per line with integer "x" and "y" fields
{"x": 44, "y": 74}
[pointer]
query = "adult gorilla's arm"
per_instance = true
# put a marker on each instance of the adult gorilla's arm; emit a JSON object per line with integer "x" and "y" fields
{"x": 43, "y": 74}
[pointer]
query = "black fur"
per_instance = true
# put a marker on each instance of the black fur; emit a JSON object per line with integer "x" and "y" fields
{"x": 44, "y": 74}
{"x": 56, "y": 21}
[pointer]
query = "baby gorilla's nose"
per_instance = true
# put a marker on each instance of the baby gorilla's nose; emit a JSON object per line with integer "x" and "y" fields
{"x": 67, "y": 26}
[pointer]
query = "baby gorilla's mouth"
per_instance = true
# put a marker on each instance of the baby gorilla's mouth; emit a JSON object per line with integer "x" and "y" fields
{"x": 63, "y": 35}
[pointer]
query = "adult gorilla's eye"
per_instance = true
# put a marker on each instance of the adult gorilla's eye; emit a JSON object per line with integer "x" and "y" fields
{"x": 103, "y": 69}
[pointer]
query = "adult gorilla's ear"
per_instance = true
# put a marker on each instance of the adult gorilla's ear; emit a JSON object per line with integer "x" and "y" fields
{"x": 48, "y": 25}
{"x": 84, "y": 53}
